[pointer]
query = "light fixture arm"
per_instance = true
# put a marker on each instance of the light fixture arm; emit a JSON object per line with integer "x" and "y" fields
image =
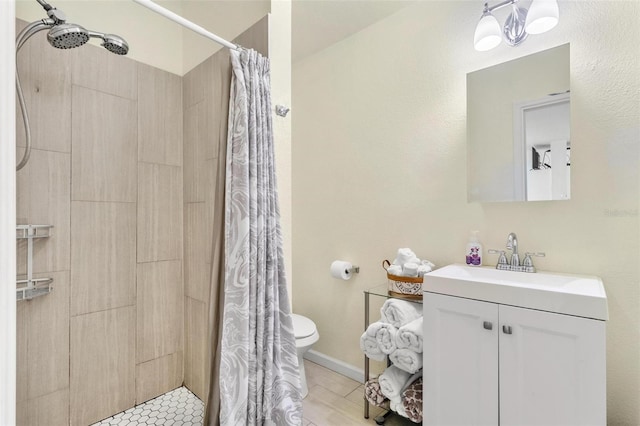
{"x": 499, "y": 5}
{"x": 541, "y": 16}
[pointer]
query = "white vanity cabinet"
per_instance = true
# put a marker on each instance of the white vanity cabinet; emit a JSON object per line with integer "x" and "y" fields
{"x": 491, "y": 363}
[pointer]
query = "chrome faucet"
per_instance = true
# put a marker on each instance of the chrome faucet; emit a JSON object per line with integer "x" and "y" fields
{"x": 514, "y": 264}
{"x": 512, "y": 244}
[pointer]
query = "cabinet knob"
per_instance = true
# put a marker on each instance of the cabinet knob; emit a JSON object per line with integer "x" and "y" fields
{"x": 506, "y": 329}
{"x": 487, "y": 325}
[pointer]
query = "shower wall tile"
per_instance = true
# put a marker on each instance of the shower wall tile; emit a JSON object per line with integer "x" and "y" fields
{"x": 103, "y": 255}
{"x": 159, "y": 116}
{"x": 47, "y": 326}
{"x": 45, "y": 76}
{"x": 197, "y": 253}
{"x": 96, "y": 68}
{"x": 256, "y": 37}
{"x": 102, "y": 364}
{"x": 43, "y": 188}
{"x": 160, "y": 310}
{"x": 158, "y": 376}
{"x": 22, "y": 364}
{"x": 104, "y": 142}
{"x": 47, "y": 410}
{"x": 159, "y": 212}
{"x": 195, "y": 373}
{"x": 197, "y": 84}
{"x": 201, "y": 141}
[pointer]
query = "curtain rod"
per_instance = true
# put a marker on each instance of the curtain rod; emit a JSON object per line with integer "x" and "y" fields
{"x": 186, "y": 23}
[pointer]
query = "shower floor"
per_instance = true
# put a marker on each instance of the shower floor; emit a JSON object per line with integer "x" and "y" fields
{"x": 178, "y": 407}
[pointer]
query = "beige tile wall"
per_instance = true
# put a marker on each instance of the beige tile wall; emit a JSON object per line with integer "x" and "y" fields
{"x": 104, "y": 160}
{"x": 122, "y": 324}
{"x": 159, "y": 212}
{"x": 206, "y": 104}
{"x": 160, "y": 291}
{"x": 106, "y": 171}
{"x": 103, "y": 362}
{"x": 103, "y": 241}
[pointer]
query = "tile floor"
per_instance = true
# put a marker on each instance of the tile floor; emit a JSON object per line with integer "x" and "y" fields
{"x": 333, "y": 400}
{"x": 336, "y": 400}
{"x": 178, "y": 407}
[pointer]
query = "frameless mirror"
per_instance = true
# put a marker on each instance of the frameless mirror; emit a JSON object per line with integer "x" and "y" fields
{"x": 518, "y": 131}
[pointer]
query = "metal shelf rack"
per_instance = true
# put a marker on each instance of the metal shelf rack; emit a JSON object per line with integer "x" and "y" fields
{"x": 32, "y": 287}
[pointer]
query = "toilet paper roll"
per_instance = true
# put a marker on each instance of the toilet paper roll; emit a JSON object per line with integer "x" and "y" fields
{"x": 341, "y": 269}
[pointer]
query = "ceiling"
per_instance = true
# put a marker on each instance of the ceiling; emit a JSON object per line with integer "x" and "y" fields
{"x": 317, "y": 24}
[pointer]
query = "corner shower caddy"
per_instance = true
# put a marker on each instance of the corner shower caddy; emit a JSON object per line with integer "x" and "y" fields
{"x": 32, "y": 287}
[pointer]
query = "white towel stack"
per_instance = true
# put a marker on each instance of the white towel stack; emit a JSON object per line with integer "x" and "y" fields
{"x": 387, "y": 338}
{"x": 393, "y": 381}
{"x": 407, "y": 264}
{"x": 406, "y": 359}
{"x": 369, "y": 342}
{"x": 399, "y": 312}
{"x": 409, "y": 336}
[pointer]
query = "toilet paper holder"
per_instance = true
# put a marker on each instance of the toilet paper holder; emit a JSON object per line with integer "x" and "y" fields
{"x": 343, "y": 270}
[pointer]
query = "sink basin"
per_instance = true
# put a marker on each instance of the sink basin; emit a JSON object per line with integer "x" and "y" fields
{"x": 578, "y": 295}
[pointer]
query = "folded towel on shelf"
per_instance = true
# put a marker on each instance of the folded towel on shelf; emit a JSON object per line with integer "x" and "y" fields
{"x": 399, "y": 312}
{"x": 393, "y": 381}
{"x": 369, "y": 343}
{"x": 412, "y": 401}
{"x": 387, "y": 338}
{"x": 409, "y": 336}
{"x": 373, "y": 393}
{"x": 407, "y": 360}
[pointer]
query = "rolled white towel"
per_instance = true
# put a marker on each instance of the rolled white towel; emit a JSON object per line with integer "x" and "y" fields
{"x": 409, "y": 336}
{"x": 424, "y": 269}
{"x": 395, "y": 270}
{"x": 397, "y": 406}
{"x": 405, "y": 255}
{"x": 428, "y": 263}
{"x": 406, "y": 359}
{"x": 369, "y": 343}
{"x": 410, "y": 269}
{"x": 399, "y": 312}
{"x": 387, "y": 338}
{"x": 393, "y": 381}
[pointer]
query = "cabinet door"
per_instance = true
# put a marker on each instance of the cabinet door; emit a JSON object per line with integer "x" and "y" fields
{"x": 460, "y": 361}
{"x": 552, "y": 369}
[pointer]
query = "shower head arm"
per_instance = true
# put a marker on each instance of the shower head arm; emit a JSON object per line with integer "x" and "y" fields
{"x": 46, "y": 6}
{"x": 96, "y": 34}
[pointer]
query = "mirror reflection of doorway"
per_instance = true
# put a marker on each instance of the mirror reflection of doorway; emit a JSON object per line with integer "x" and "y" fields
{"x": 542, "y": 148}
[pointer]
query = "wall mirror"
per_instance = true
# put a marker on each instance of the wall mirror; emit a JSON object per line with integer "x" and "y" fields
{"x": 518, "y": 129}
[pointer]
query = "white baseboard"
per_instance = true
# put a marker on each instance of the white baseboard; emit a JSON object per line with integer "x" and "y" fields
{"x": 336, "y": 365}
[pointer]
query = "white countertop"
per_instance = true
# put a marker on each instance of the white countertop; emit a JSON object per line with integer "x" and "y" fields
{"x": 579, "y": 295}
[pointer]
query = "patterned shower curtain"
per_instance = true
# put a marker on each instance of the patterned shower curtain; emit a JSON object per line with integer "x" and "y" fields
{"x": 259, "y": 378}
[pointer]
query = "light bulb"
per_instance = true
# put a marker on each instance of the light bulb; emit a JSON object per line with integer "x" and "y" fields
{"x": 488, "y": 34}
{"x": 542, "y": 16}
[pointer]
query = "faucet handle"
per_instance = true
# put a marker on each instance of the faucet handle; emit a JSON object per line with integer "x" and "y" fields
{"x": 502, "y": 259}
{"x": 528, "y": 262}
{"x": 537, "y": 254}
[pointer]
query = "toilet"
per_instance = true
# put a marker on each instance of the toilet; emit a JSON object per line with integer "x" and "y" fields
{"x": 306, "y": 335}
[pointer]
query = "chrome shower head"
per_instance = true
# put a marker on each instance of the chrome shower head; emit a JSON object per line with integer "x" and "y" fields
{"x": 115, "y": 44}
{"x": 67, "y": 36}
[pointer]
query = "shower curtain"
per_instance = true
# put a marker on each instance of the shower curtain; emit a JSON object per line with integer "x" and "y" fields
{"x": 259, "y": 381}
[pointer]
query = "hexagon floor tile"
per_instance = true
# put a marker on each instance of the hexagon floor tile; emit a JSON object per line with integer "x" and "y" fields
{"x": 178, "y": 407}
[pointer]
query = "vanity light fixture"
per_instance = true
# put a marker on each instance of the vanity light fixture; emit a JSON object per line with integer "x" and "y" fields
{"x": 541, "y": 17}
